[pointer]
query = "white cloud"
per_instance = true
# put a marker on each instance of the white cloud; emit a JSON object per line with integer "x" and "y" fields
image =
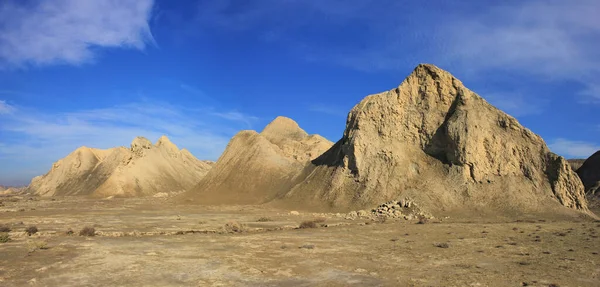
{"x": 556, "y": 40}
{"x": 67, "y": 31}
{"x": 237, "y": 117}
{"x": 34, "y": 139}
{"x": 573, "y": 149}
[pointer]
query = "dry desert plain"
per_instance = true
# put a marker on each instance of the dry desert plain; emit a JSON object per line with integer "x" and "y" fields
{"x": 158, "y": 242}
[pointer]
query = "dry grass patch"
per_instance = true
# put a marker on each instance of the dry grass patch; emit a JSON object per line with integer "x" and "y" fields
{"x": 37, "y": 245}
{"x": 4, "y": 237}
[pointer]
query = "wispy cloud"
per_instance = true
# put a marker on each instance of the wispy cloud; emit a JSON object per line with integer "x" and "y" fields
{"x": 328, "y": 110}
{"x": 35, "y": 139}
{"x": 551, "y": 40}
{"x": 68, "y": 31}
{"x": 573, "y": 149}
{"x": 237, "y": 117}
{"x": 5, "y": 108}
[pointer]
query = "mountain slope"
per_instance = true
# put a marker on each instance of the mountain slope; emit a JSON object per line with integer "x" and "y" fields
{"x": 589, "y": 172}
{"x": 258, "y": 167}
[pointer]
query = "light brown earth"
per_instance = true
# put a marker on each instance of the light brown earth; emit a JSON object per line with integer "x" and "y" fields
{"x": 137, "y": 245}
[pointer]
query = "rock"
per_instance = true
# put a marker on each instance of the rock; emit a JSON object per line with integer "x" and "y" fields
{"x": 293, "y": 212}
{"x": 363, "y": 213}
{"x": 437, "y": 142}
{"x": 139, "y": 145}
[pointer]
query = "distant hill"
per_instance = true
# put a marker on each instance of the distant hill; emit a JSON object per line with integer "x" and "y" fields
{"x": 143, "y": 169}
{"x": 589, "y": 172}
{"x": 576, "y": 163}
{"x": 258, "y": 167}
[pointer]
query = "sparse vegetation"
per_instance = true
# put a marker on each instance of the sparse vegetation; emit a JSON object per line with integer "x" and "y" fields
{"x": 69, "y": 232}
{"x": 441, "y": 245}
{"x": 35, "y": 245}
{"x": 264, "y": 219}
{"x": 31, "y": 230}
{"x": 87, "y": 231}
{"x": 4, "y": 237}
{"x": 4, "y": 228}
{"x": 312, "y": 223}
{"x": 234, "y": 227}
{"x": 381, "y": 219}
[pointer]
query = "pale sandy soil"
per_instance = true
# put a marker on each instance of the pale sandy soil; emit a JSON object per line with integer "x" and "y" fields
{"x": 138, "y": 245}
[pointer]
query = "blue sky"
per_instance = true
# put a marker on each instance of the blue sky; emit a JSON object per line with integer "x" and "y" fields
{"x": 99, "y": 73}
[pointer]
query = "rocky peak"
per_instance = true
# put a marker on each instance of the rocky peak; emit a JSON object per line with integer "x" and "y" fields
{"x": 283, "y": 127}
{"x": 432, "y": 121}
{"x": 165, "y": 144}
{"x": 139, "y": 145}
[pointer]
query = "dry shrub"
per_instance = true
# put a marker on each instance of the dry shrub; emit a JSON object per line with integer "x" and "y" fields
{"x": 70, "y": 232}
{"x": 422, "y": 219}
{"x": 4, "y": 228}
{"x": 35, "y": 245}
{"x": 233, "y": 227}
{"x": 31, "y": 230}
{"x": 264, "y": 219}
{"x": 312, "y": 223}
{"x": 442, "y": 245}
{"x": 381, "y": 219}
{"x": 4, "y": 237}
{"x": 87, "y": 231}
{"x": 308, "y": 224}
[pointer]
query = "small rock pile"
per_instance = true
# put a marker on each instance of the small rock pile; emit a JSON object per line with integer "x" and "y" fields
{"x": 404, "y": 208}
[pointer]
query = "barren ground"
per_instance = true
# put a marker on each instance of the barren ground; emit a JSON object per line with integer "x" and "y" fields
{"x": 153, "y": 242}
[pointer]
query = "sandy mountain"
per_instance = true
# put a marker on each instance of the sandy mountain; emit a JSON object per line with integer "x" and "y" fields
{"x": 257, "y": 167}
{"x": 440, "y": 144}
{"x": 142, "y": 169}
{"x": 589, "y": 172}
